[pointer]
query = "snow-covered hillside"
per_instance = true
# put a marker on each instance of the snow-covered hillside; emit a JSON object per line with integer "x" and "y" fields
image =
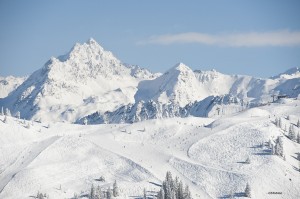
{"x": 215, "y": 157}
{"x": 86, "y": 79}
{"x": 9, "y": 84}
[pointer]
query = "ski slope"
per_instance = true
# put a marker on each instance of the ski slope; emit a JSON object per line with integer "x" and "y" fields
{"x": 208, "y": 154}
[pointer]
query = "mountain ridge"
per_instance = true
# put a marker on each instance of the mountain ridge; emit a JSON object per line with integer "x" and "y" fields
{"x": 89, "y": 80}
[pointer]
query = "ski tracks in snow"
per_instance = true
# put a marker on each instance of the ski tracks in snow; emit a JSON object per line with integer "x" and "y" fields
{"x": 24, "y": 159}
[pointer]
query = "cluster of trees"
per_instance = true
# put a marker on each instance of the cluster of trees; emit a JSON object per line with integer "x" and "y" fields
{"x": 173, "y": 189}
{"x": 98, "y": 193}
{"x": 292, "y": 132}
{"x": 42, "y": 196}
{"x": 7, "y": 113}
{"x": 277, "y": 147}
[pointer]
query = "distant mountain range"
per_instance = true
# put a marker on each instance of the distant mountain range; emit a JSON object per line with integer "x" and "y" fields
{"x": 89, "y": 82}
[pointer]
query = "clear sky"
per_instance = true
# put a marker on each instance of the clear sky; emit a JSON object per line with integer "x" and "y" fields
{"x": 255, "y": 37}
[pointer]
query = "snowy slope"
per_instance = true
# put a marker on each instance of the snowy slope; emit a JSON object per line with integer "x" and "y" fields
{"x": 208, "y": 154}
{"x": 9, "y": 84}
{"x": 86, "y": 79}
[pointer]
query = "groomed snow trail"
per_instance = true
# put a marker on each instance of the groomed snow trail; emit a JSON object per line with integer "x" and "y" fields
{"x": 24, "y": 159}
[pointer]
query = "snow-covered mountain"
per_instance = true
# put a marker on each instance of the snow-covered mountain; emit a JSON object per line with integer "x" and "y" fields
{"x": 86, "y": 79}
{"x": 177, "y": 86}
{"x": 89, "y": 82}
{"x": 180, "y": 92}
{"x": 9, "y": 84}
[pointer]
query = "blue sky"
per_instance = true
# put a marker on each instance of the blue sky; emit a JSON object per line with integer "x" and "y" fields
{"x": 259, "y": 38}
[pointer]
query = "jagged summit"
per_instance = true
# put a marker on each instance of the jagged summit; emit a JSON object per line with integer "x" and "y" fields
{"x": 91, "y": 41}
{"x": 180, "y": 67}
{"x": 86, "y": 79}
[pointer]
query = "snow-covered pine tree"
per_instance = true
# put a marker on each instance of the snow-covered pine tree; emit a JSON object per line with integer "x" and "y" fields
{"x": 298, "y": 123}
{"x": 248, "y": 191}
{"x": 269, "y": 143}
{"x": 168, "y": 191}
{"x": 115, "y": 189}
{"x": 276, "y": 122}
{"x": 98, "y": 192}
{"x": 272, "y": 149}
{"x": 298, "y": 138}
{"x": 18, "y": 115}
{"x": 145, "y": 194}
{"x": 187, "y": 193}
{"x": 161, "y": 194}
{"x": 248, "y": 161}
{"x": 180, "y": 194}
{"x": 280, "y": 123}
{"x": 285, "y": 128}
{"x": 92, "y": 194}
{"x": 75, "y": 196}
{"x": 7, "y": 112}
{"x": 108, "y": 193}
{"x": 279, "y": 147}
{"x": 292, "y": 135}
{"x": 85, "y": 121}
{"x": 28, "y": 125}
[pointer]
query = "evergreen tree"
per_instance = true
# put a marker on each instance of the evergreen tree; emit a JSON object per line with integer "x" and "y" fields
{"x": 187, "y": 193}
{"x": 248, "y": 161}
{"x": 98, "y": 192}
{"x": 298, "y": 138}
{"x": 40, "y": 196}
{"x": 279, "y": 147}
{"x": 298, "y": 123}
{"x": 269, "y": 143}
{"x": 108, "y": 193}
{"x": 18, "y": 115}
{"x": 161, "y": 194}
{"x": 115, "y": 189}
{"x": 92, "y": 193}
{"x": 7, "y": 112}
{"x": 145, "y": 194}
{"x": 280, "y": 123}
{"x": 285, "y": 128}
{"x": 28, "y": 125}
{"x": 248, "y": 191}
{"x": 180, "y": 191}
{"x": 85, "y": 121}
{"x": 277, "y": 122}
{"x": 168, "y": 192}
{"x": 292, "y": 135}
{"x": 272, "y": 149}
{"x": 169, "y": 177}
{"x": 75, "y": 196}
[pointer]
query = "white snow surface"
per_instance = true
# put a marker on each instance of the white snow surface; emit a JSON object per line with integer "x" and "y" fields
{"x": 207, "y": 154}
{"x": 9, "y": 84}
